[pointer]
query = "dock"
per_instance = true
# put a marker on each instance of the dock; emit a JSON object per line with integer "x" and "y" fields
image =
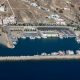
{"x": 15, "y": 32}
{"x": 39, "y": 58}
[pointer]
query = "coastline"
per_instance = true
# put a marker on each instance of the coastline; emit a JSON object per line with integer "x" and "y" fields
{"x": 3, "y": 40}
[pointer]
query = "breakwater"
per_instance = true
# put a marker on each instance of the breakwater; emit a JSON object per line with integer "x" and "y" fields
{"x": 39, "y": 57}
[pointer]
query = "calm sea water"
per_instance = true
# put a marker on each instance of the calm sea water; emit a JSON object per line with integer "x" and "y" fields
{"x": 40, "y": 70}
{"x": 44, "y": 70}
{"x": 31, "y": 47}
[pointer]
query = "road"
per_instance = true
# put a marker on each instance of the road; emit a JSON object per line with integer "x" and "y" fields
{"x": 10, "y": 7}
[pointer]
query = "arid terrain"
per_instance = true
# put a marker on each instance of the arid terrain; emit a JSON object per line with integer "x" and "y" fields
{"x": 43, "y": 11}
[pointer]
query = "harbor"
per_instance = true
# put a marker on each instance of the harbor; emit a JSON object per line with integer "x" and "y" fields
{"x": 37, "y": 32}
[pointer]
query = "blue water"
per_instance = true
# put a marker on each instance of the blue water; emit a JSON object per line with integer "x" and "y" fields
{"x": 40, "y": 70}
{"x": 44, "y": 70}
{"x": 31, "y": 47}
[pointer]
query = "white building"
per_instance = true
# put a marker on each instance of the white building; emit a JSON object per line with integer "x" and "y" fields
{"x": 57, "y": 18}
{"x": 10, "y": 19}
{"x": 34, "y": 4}
{"x": 78, "y": 52}
{"x": 54, "y": 16}
{"x": 2, "y": 8}
{"x": 49, "y": 34}
{"x": 66, "y": 8}
{"x": 60, "y": 21}
{"x": 0, "y": 22}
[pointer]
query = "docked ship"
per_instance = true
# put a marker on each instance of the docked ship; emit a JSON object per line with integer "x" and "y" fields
{"x": 54, "y": 53}
{"x": 43, "y": 54}
{"x": 78, "y": 52}
{"x": 38, "y": 37}
{"x": 61, "y": 53}
{"x": 14, "y": 42}
{"x": 78, "y": 39}
{"x": 31, "y": 37}
{"x": 23, "y": 37}
{"x": 70, "y": 52}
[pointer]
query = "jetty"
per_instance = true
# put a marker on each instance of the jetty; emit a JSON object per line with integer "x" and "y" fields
{"x": 39, "y": 58}
{"x": 15, "y": 32}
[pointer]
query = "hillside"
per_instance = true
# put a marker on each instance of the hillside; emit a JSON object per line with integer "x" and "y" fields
{"x": 59, "y": 12}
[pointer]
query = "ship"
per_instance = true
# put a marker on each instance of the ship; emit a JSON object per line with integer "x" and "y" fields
{"x": 32, "y": 37}
{"x": 70, "y": 52}
{"x": 54, "y": 53}
{"x": 44, "y": 37}
{"x": 43, "y": 54}
{"x": 61, "y": 36}
{"x": 78, "y": 39}
{"x": 78, "y": 52}
{"x": 23, "y": 37}
{"x": 38, "y": 37}
{"x": 61, "y": 53}
{"x": 14, "y": 42}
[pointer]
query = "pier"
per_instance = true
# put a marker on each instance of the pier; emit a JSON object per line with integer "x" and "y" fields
{"x": 39, "y": 58}
{"x": 15, "y": 32}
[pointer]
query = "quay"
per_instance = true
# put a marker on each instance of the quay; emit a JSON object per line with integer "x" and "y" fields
{"x": 15, "y": 32}
{"x": 39, "y": 58}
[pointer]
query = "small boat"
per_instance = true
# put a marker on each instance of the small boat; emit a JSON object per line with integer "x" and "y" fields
{"x": 61, "y": 36}
{"x": 70, "y": 52}
{"x": 43, "y": 54}
{"x": 78, "y": 39}
{"x": 32, "y": 37}
{"x": 54, "y": 53}
{"x": 14, "y": 42}
{"x": 23, "y": 37}
{"x": 49, "y": 54}
{"x": 61, "y": 53}
{"x": 44, "y": 37}
{"x": 13, "y": 47}
{"x": 38, "y": 37}
{"x": 78, "y": 52}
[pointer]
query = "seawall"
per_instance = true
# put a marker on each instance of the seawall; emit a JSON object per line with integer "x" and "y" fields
{"x": 39, "y": 57}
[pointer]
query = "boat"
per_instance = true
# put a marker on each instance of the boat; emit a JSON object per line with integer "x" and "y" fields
{"x": 23, "y": 37}
{"x": 61, "y": 37}
{"x": 61, "y": 53}
{"x": 54, "y": 53}
{"x": 49, "y": 54}
{"x": 70, "y": 52}
{"x": 43, "y": 54}
{"x": 13, "y": 47}
{"x": 32, "y": 37}
{"x": 38, "y": 37}
{"x": 44, "y": 37}
{"x": 14, "y": 42}
{"x": 78, "y": 52}
{"x": 78, "y": 39}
